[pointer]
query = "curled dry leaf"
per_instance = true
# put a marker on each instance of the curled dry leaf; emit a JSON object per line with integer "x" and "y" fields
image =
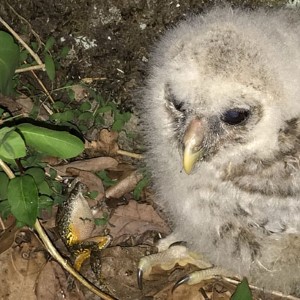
{"x": 135, "y": 219}
{"x": 80, "y": 92}
{"x": 92, "y": 181}
{"x": 106, "y": 143}
{"x": 92, "y": 165}
{"x": 124, "y": 186}
{"x": 26, "y": 104}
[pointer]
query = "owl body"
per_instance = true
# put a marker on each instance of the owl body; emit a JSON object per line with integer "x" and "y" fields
{"x": 229, "y": 82}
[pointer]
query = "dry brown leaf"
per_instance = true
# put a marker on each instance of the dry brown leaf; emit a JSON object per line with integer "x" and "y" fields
{"x": 92, "y": 165}
{"x": 124, "y": 186}
{"x": 26, "y": 103}
{"x": 80, "y": 92}
{"x": 119, "y": 266}
{"x": 52, "y": 284}
{"x": 27, "y": 258}
{"x": 106, "y": 143}
{"x": 7, "y": 238}
{"x": 135, "y": 219}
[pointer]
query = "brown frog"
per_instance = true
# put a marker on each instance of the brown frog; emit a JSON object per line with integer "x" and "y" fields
{"x": 75, "y": 223}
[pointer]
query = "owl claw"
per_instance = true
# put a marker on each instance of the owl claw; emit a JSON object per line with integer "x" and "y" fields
{"x": 140, "y": 278}
{"x": 181, "y": 281}
{"x": 167, "y": 259}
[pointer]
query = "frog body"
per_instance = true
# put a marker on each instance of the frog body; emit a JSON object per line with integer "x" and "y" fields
{"x": 75, "y": 223}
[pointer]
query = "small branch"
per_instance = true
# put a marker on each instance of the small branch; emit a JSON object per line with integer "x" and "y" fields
{"x": 43, "y": 87}
{"x": 31, "y": 68}
{"x": 130, "y": 154}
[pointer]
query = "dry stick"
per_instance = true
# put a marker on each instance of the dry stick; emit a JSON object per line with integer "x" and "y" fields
{"x": 32, "y": 68}
{"x": 52, "y": 250}
{"x": 129, "y": 154}
{"x": 43, "y": 87}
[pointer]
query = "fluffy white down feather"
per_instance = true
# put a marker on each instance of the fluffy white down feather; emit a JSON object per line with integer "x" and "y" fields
{"x": 240, "y": 206}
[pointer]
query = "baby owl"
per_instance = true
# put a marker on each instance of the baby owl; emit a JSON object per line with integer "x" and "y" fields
{"x": 221, "y": 114}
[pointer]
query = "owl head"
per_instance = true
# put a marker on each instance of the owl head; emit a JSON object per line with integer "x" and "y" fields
{"x": 224, "y": 91}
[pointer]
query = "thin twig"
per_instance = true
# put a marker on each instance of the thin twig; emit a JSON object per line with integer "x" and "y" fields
{"x": 31, "y": 68}
{"x": 130, "y": 154}
{"x": 43, "y": 87}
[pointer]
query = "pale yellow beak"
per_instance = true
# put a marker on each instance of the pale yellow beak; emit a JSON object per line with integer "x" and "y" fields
{"x": 192, "y": 142}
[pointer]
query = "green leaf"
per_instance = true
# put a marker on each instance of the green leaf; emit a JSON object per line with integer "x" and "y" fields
{"x": 85, "y": 116}
{"x": 107, "y": 181}
{"x": 49, "y": 44}
{"x": 3, "y": 185}
{"x": 23, "y": 199}
{"x": 45, "y": 202}
{"x": 9, "y": 60}
{"x": 51, "y": 142}
{"x": 12, "y": 145}
{"x": 242, "y": 291}
{"x": 118, "y": 125}
{"x": 104, "y": 109}
{"x": 85, "y": 106}
{"x": 64, "y": 52}
{"x": 139, "y": 188}
{"x": 38, "y": 174}
{"x": 50, "y": 67}
{"x": 59, "y": 105}
{"x": 5, "y": 209}
{"x": 65, "y": 116}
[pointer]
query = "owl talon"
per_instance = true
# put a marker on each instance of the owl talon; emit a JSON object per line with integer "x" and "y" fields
{"x": 140, "y": 278}
{"x": 181, "y": 281}
{"x": 178, "y": 254}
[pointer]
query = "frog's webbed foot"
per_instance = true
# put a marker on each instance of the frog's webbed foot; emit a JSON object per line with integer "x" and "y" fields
{"x": 90, "y": 248}
{"x": 178, "y": 254}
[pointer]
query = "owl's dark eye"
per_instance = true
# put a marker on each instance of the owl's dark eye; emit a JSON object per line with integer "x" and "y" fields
{"x": 235, "y": 116}
{"x": 178, "y": 105}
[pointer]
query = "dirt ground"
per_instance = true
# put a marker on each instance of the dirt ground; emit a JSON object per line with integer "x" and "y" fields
{"x": 113, "y": 37}
{"x": 110, "y": 41}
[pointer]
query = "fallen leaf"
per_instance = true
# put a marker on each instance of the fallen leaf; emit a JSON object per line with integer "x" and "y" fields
{"x": 124, "y": 186}
{"x": 106, "y": 143}
{"x": 92, "y": 165}
{"x": 135, "y": 219}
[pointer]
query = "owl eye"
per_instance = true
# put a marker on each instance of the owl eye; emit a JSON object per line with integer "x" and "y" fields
{"x": 235, "y": 116}
{"x": 178, "y": 105}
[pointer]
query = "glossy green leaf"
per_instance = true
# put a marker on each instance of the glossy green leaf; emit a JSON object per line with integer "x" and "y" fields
{"x": 242, "y": 291}
{"x": 12, "y": 145}
{"x": 51, "y": 142}
{"x": 9, "y": 60}
{"x": 50, "y": 67}
{"x": 23, "y": 199}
